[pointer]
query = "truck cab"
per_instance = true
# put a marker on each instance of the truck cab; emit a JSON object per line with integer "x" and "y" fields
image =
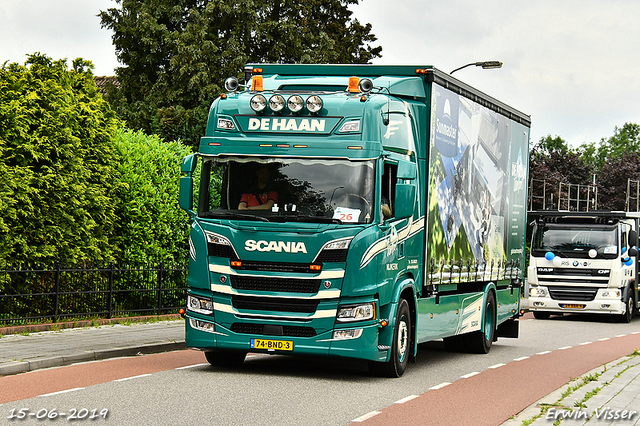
{"x": 583, "y": 262}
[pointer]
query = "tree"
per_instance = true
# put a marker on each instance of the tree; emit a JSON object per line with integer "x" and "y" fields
{"x": 177, "y": 52}
{"x": 58, "y": 163}
{"x": 154, "y": 228}
{"x": 612, "y": 181}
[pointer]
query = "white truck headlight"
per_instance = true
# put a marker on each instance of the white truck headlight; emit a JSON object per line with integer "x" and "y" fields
{"x": 612, "y": 294}
{"x": 361, "y": 312}
{"x": 201, "y": 305}
{"x": 537, "y": 292}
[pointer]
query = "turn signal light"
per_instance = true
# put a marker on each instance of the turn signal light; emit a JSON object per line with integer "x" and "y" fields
{"x": 236, "y": 263}
{"x": 315, "y": 267}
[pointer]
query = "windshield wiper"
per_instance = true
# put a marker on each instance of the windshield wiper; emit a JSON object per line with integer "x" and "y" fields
{"x": 311, "y": 219}
{"x": 232, "y": 215}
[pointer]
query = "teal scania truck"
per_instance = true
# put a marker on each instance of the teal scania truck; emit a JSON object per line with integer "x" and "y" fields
{"x": 354, "y": 211}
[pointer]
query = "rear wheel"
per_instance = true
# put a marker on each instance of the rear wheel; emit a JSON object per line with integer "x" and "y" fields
{"x": 479, "y": 342}
{"x": 400, "y": 348}
{"x": 225, "y": 358}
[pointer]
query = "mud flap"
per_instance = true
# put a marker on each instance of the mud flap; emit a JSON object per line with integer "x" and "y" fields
{"x": 509, "y": 328}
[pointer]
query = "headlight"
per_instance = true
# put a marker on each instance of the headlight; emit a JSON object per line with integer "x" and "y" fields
{"x": 537, "y": 292}
{"x": 337, "y": 244}
{"x": 209, "y": 327}
{"x": 276, "y": 103}
{"x": 258, "y": 103}
{"x": 362, "y": 312}
{"x": 201, "y": 305}
{"x": 314, "y": 103}
{"x": 217, "y": 239}
{"x": 295, "y": 103}
{"x": 612, "y": 294}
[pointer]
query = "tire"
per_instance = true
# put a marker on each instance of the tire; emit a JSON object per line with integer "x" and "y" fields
{"x": 479, "y": 342}
{"x": 541, "y": 315}
{"x": 225, "y": 358}
{"x": 631, "y": 307}
{"x": 401, "y": 346}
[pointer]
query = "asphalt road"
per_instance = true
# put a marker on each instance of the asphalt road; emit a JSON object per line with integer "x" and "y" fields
{"x": 179, "y": 388}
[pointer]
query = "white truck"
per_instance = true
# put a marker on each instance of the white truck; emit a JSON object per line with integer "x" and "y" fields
{"x": 583, "y": 262}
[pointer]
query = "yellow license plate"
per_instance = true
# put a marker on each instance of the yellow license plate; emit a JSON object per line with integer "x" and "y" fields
{"x": 272, "y": 345}
{"x": 570, "y": 306}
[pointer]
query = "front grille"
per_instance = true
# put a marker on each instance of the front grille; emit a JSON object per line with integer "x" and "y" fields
{"x": 286, "y": 285}
{"x": 573, "y": 276}
{"x": 338, "y": 255}
{"x": 221, "y": 250}
{"x": 583, "y": 294}
{"x": 274, "y": 304}
{"x": 259, "y": 329}
{"x": 252, "y": 265}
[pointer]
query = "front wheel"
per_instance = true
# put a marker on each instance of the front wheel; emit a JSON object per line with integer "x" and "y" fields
{"x": 400, "y": 348}
{"x": 631, "y": 307}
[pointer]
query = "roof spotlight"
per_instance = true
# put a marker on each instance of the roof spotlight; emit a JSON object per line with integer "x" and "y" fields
{"x": 276, "y": 103}
{"x": 258, "y": 103}
{"x": 365, "y": 85}
{"x": 314, "y": 103}
{"x": 295, "y": 103}
{"x": 231, "y": 84}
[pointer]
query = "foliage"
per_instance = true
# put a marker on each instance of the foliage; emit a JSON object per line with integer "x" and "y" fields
{"x": 58, "y": 163}
{"x": 177, "y": 52}
{"x": 153, "y": 227}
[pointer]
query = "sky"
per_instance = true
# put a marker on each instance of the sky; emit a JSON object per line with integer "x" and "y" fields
{"x": 572, "y": 65}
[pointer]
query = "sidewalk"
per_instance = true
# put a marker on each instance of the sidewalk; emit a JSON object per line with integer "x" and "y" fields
{"x": 607, "y": 395}
{"x": 20, "y": 353}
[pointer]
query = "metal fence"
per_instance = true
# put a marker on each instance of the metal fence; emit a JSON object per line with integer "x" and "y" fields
{"x": 66, "y": 292}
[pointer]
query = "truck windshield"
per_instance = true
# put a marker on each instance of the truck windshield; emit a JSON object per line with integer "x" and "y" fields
{"x": 281, "y": 190}
{"x": 575, "y": 241}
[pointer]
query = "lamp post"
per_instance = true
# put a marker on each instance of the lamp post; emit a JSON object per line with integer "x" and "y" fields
{"x": 484, "y": 64}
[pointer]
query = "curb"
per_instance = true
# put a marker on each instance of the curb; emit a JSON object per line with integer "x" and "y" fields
{"x": 17, "y": 367}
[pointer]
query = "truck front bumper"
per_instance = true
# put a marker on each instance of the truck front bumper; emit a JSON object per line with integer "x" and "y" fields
{"x": 596, "y": 306}
{"x": 206, "y": 335}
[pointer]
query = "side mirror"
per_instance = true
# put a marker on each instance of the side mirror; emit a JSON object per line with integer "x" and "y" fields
{"x": 405, "y": 200}
{"x": 633, "y": 238}
{"x": 186, "y": 183}
{"x": 406, "y": 170}
{"x": 633, "y": 251}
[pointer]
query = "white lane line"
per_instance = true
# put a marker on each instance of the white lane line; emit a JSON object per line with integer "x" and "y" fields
{"x": 543, "y": 353}
{"x": 636, "y": 332}
{"x": 133, "y": 377}
{"x": 191, "y": 366}
{"x": 497, "y": 365}
{"x": 621, "y": 335}
{"x": 466, "y": 376}
{"x": 564, "y": 347}
{"x": 403, "y": 400}
{"x": 603, "y": 339}
{"x": 366, "y": 416}
{"x": 584, "y": 343}
{"x": 521, "y": 358}
{"x": 440, "y": 386}
{"x": 64, "y": 391}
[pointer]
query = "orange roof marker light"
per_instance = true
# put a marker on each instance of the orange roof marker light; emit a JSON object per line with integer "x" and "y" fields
{"x": 257, "y": 85}
{"x": 353, "y": 84}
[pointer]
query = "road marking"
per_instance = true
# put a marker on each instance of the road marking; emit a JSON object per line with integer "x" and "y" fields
{"x": 133, "y": 377}
{"x": 621, "y": 335}
{"x": 403, "y": 400}
{"x": 466, "y": 376}
{"x": 564, "y": 347}
{"x": 366, "y": 416}
{"x": 64, "y": 391}
{"x": 521, "y": 358}
{"x": 636, "y": 332}
{"x": 191, "y": 366}
{"x": 440, "y": 386}
{"x": 603, "y": 339}
{"x": 584, "y": 343}
{"x": 543, "y": 353}
{"x": 497, "y": 365}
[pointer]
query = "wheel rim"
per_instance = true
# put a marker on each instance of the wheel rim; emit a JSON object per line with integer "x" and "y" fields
{"x": 403, "y": 338}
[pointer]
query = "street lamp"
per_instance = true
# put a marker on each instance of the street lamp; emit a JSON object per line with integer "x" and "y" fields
{"x": 485, "y": 65}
